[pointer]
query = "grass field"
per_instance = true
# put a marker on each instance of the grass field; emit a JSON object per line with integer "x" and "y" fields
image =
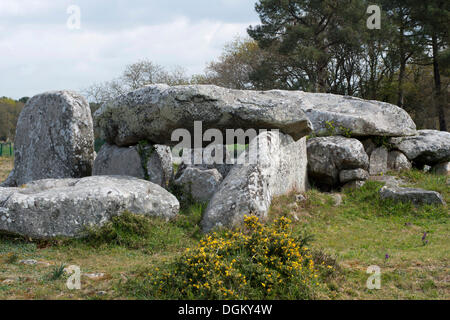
{"x": 358, "y": 233}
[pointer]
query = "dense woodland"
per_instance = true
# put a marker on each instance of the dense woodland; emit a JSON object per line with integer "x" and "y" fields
{"x": 319, "y": 46}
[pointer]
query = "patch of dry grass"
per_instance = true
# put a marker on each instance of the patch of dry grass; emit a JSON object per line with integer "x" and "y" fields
{"x": 6, "y": 165}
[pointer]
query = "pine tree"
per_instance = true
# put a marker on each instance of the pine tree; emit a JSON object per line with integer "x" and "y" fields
{"x": 305, "y": 32}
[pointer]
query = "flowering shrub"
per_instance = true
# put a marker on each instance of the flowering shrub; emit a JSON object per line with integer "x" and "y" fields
{"x": 255, "y": 262}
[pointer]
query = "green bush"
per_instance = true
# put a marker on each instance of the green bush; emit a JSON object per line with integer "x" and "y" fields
{"x": 255, "y": 262}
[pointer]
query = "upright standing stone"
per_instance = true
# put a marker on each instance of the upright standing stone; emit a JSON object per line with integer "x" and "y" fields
{"x": 200, "y": 184}
{"x": 369, "y": 146}
{"x": 208, "y": 159}
{"x": 152, "y": 163}
{"x": 397, "y": 161}
{"x": 379, "y": 161}
{"x": 442, "y": 169}
{"x": 54, "y": 139}
{"x": 278, "y": 167}
{"x": 160, "y": 166}
{"x": 115, "y": 161}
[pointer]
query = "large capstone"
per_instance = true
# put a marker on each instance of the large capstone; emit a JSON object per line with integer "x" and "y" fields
{"x": 334, "y": 114}
{"x": 67, "y": 207}
{"x": 428, "y": 147}
{"x": 328, "y": 156}
{"x": 273, "y": 165}
{"x": 54, "y": 139}
{"x": 154, "y": 112}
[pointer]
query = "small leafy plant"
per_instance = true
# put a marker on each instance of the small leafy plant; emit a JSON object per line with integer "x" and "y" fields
{"x": 12, "y": 258}
{"x": 331, "y": 130}
{"x": 57, "y": 272}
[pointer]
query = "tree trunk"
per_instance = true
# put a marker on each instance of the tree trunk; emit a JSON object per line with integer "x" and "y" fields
{"x": 439, "y": 103}
{"x": 401, "y": 75}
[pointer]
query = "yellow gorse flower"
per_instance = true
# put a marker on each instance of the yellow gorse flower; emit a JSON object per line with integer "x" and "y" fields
{"x": 226, "y": 265}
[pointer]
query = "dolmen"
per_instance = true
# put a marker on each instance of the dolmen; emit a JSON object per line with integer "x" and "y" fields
{"x": 205, "y": 119}
{"x": 165, "y": 144}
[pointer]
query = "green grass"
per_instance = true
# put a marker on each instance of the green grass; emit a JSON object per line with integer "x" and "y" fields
{"x": 126, "y": 244}
{"x": 358, "y": 233}
{"x": 361, "y": 231}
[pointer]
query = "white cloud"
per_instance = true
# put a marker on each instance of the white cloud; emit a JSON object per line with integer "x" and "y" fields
{"x": 17, "y": 8}
{"x": 39, "y": 57}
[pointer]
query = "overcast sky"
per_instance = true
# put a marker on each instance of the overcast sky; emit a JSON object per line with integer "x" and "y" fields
{"x": 39, "y": 52}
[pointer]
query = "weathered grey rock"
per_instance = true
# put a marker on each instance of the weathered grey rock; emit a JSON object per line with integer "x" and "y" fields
{"x": 397, "y": 161}
{"x": 379, "y": 161}
{"x": 116, "y": 161}
{"x": 389, "y": 181}
{"x": 361, "y": 117}
{"x": 279, "y": 167}
{"x": 54, "y": 139}
{"x": 351, "y": 175}
{"x": 429, "y": 147}
{"x": 415, "y": 196}
{"x": 442, "y": 169}
{"x": 300, "y": 198}
{"x": 29, "y": 262}
{"x": 206, "y": 158}
{"x": 160, "y": 166}
{"x": 10, "y": 180}
{"x": 200, "y": 184}
{"x": 327, "y": 156}
{"x": 353, "y": 185}
{"x": 152, "y": 163}
{"x": 369, "y": 146}
{"x": 154, "y": 112}
{"x": 337, "y": 199}
{"x": 51, "y": 208}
